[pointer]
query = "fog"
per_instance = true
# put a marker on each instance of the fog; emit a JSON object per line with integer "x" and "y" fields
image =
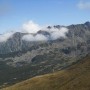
{"x": 32, "y": 28}
{"x": 38, "y": 37}
{"x": 6, "y": 36}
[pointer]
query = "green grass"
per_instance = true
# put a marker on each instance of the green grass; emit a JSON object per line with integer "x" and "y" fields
{"x": 75, "y": 77}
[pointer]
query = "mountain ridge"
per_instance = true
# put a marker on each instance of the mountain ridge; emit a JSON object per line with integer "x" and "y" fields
{"x": 25, "y": 59}
{"x": 15, "y": 43}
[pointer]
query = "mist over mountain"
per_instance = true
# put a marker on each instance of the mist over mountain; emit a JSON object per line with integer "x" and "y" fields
{"x": 13, "y": 42}
{"x": 24, "y": 54}
{"x": 39, "y": 37}
{"x": 17, "y": 38}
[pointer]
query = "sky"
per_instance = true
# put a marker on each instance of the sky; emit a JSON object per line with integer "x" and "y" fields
{"x": 19, "y": 14}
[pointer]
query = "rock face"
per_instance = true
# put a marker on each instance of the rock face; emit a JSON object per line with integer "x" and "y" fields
{"x": 77, "y": 39}
{"x": 22, "y": 59}
{"x": 79, "y": 34}
{"x": 11, "y": 45}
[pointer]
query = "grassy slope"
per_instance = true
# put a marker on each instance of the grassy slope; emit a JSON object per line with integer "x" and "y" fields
{"x": 76, "y": 77}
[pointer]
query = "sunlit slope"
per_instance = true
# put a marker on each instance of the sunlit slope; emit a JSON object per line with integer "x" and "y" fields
{"x": 76, "y": 77}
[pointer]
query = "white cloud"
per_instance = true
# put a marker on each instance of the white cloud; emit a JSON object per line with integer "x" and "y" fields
{"x": 31, "y": 27}
{"x": 5, "y": 37}
{"x": 84, "y": 5}
{"x": 54, "y": 34}
{"x": 38, "y": 37}
{"x": 57, "y": 33}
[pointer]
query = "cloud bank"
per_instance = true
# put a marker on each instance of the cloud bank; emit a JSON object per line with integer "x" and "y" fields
{"x": 5, "y": 37}
{"x": 30, "y": 27}
{"x": 84, "y": 5}
{"x": 38, "y": 37}
{"x": 57, "y": 33}
{"x": 53, "y": 33}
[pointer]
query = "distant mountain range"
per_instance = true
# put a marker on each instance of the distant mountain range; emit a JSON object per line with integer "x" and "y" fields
{"x": 24, "y": 55}
{"x": 75, "y": 42}
{"x": 80, "y": 33}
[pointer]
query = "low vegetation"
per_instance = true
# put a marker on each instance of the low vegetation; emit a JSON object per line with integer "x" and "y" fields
{"x": 75, "y": 77}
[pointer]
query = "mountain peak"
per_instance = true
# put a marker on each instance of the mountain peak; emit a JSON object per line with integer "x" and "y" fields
{"x": 87, "y": 23}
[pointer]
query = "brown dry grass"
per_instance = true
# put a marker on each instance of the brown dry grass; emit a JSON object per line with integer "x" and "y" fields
{"x": 76, "y": 77}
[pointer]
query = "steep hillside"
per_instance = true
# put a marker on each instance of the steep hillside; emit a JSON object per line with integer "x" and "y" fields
{"x": 76, "y": 77}
{"x": 21, "y": 59}
{"x": 18, "y": 51}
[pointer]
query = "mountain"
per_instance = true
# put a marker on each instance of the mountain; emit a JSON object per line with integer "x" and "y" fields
{"x": 77, "y": 37}
{"x": 76, "y": 77}
{"x": 25, "y": 55}
{"x": 15, "y": 43}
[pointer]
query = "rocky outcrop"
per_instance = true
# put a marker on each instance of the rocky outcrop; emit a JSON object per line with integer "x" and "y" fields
{"x": 76, "y": 44}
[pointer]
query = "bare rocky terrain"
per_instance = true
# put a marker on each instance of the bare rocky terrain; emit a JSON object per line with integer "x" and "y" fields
{"x": 20, "y": 59}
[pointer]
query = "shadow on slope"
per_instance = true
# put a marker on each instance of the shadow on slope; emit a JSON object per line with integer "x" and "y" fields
{"x": 76, "y": 77}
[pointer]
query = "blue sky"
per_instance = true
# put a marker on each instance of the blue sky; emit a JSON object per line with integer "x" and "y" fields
{"x": 14, "y": 13}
